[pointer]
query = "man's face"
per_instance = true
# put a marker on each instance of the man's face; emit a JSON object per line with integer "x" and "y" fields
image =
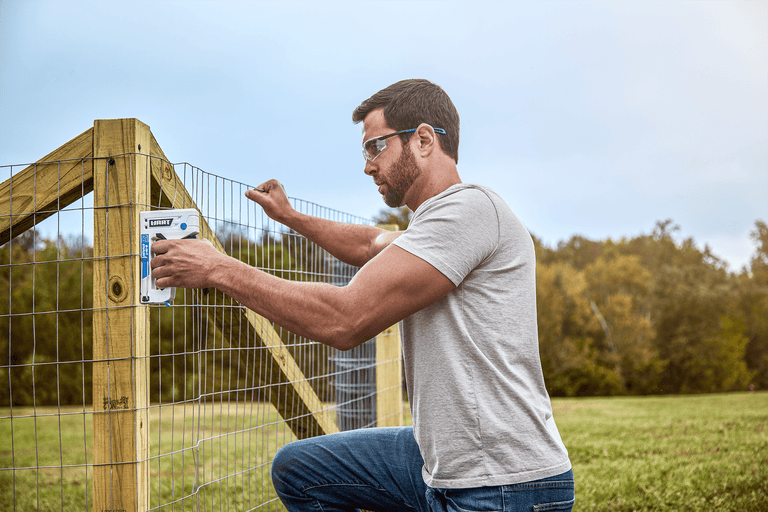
{"x": 395, "y": 169}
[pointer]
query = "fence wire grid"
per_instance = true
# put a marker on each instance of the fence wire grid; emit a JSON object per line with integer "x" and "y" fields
{"x": 214, "y": 424}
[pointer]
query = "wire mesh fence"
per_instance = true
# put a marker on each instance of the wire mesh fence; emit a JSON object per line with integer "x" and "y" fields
{"x": 218, "y": 390}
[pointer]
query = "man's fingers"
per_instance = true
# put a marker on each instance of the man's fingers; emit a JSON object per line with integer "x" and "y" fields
{"x": 253, "y": 194}
{"x": 268, "y": 186}
{"x": 256, "y": 193}
{"x": 263, "y": 191}
{"x": 161, "y": 246}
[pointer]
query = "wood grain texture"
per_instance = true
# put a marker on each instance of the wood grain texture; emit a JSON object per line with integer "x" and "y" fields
{"x": 120, "y": 323}
{"x": 389, "y": 379}
{"x": 389, "y": 372}
{"x": 54, "y": 182}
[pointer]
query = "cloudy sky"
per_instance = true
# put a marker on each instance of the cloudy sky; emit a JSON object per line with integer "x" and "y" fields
{"x": 592, "y": 118}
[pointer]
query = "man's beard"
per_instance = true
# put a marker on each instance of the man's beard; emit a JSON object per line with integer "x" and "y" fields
{"x": 402, "y": 175}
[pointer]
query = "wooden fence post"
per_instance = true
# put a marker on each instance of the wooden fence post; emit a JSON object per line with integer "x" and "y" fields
{"x": 120, "y": 324}
{"x": 389, "y": 373}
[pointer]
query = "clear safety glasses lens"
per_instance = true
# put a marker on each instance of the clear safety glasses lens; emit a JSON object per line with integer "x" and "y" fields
{"x": 373, "y": 148}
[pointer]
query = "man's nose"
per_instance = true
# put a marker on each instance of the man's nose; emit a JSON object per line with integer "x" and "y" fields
{"x": 369, "y": 168}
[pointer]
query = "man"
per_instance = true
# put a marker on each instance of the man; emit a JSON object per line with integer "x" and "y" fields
{"x": 461, "y": 279}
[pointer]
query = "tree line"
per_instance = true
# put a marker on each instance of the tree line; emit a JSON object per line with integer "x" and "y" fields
{"x": 642, "y": 315}
{"x": 649, "y": 315}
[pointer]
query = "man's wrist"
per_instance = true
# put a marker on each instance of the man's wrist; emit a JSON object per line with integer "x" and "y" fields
{"x": 293, "y": 219}
{"x": 223, "y": 273}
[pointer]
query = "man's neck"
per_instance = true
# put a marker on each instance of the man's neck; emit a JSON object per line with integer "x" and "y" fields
{"x": 431, "y": 183}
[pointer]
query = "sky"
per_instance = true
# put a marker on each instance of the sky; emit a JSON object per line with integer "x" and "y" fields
{"x": 590, "y": 118}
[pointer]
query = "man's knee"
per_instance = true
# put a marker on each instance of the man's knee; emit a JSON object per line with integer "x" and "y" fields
{"x": 284, "y": 465}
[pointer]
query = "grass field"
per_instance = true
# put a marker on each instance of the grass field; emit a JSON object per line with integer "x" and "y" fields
{"x": 698, "y": 453}
{"x": 701, "y": 453}
{"x": 231, "y": 446}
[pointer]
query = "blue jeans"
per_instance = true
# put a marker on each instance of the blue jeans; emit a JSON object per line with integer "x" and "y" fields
{"x": 379, "y": 469}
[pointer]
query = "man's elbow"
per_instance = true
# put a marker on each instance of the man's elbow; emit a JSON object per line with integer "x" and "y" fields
{"x": 345, "y": 336}
{"x": 349, "y": 321}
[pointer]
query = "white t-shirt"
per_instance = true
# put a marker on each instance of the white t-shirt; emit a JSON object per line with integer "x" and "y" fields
{"x": 481, "y": 413}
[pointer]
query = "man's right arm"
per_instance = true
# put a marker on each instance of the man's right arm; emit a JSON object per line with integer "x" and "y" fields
{"x": 351, "y": 243}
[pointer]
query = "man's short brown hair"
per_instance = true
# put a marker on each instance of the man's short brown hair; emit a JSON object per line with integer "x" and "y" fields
{"x": 408, "y": 103}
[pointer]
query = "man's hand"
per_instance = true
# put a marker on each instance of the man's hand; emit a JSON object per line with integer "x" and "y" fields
{"x": 273, "y": 200}
{"x": 355, "y": 244}
{"x": 185, "y": 263}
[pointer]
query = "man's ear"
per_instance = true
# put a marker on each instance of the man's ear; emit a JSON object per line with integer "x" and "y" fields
{"x": 427, "y": 139}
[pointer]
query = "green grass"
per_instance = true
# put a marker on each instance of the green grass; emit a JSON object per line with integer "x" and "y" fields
{"x": 706, "y": 452}
{"x": 698, "y": 453}
{"x": 239, "y": 441}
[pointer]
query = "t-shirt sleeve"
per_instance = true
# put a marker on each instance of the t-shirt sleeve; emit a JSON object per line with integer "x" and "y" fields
{"x": 454, "y": 234}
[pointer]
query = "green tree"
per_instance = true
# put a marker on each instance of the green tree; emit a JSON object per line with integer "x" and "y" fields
{"x": 46, "y": 301}
{"x": 691, "y": 298}
{"x": 578, "y": 252}
{"x": 619, "y": 287}
{"x": 753, "y": 304}
{"x": 670, "y": 318}
{"x": 400, "y": 216}
{"x": 567, "y": 331}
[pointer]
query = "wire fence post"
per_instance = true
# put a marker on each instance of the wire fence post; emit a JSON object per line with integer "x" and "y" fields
{"x": 120, "y": 323}
{"x": 389, "y": 372}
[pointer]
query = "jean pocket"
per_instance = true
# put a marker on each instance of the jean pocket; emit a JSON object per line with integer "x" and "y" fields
{"x": 557, "y": 505}
{"x": 479, "y": 499}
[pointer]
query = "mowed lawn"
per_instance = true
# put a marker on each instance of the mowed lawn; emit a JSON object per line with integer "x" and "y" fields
{"x": 702, "y": 453}
{"x": 707, "y": 452}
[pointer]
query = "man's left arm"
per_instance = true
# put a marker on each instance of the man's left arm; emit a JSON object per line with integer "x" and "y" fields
{"x": 390, "y": 287}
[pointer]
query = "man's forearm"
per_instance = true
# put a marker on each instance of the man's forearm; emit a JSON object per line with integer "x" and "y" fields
{"x": 392, "y": 286}
{"x": 317, "y": 311}
{"x": 351, "y": 243}
{"x": 355, "y": 244}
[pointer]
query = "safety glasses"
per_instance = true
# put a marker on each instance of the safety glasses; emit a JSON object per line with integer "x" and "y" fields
{"x": 373, "y": 147}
